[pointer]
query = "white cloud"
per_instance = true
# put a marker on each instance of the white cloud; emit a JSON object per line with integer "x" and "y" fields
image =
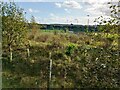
{"x": 95, "y": 9}
{"x": 37, "y": 19}
{"x": 52, "y": 14}
{"x": 67, "y": 10}
{"x": 97, "y": 1}
{"x": 72, "y": 4}
{"x": 33, "y": 11}
{"x": 99, "y": 9}
{"x": 58, "y": 5}
{"x": 69, "y": 4}
{"x": 91, "y": 1}
{"x": 30, "y": 10}
{"x": 56, "y": 19}
{"x": 69, "y": 20}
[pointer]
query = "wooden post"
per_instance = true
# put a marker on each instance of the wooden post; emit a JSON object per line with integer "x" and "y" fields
{"x": 50, "y": 72}
{"x": 11, "y": 54}
{"x": 28, "y": 52}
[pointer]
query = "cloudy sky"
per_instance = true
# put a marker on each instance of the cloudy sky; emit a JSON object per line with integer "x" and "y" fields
{"x": 65, "y": 11}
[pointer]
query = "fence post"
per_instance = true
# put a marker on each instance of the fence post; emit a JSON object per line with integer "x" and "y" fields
{"x": 28, "y": 52}
{"x": 28, "y": 49}
{"x": 50, "y": 72}
{"x": 11, "y": 54}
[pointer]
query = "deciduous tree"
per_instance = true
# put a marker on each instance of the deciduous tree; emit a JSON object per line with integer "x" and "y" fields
{"x": 13, "y": 26}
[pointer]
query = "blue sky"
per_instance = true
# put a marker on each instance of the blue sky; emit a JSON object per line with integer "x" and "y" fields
{"x": 64, "y": 11}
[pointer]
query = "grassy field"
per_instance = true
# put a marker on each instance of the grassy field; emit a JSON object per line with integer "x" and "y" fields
{"x": 78, "y": 60}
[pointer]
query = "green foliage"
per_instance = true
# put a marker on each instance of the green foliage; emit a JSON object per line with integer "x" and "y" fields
{"x": 70, "y": 49}
{"x": 66, "y": 30}
{"x": 35, "y": 27}
{"x": 13, "y": 33}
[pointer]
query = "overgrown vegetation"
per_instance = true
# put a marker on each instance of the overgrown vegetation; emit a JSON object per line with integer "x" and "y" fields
{"x": 78, "y": 60}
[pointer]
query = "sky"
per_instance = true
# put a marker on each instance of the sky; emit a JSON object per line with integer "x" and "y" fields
{"x": 65, "y": 11}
